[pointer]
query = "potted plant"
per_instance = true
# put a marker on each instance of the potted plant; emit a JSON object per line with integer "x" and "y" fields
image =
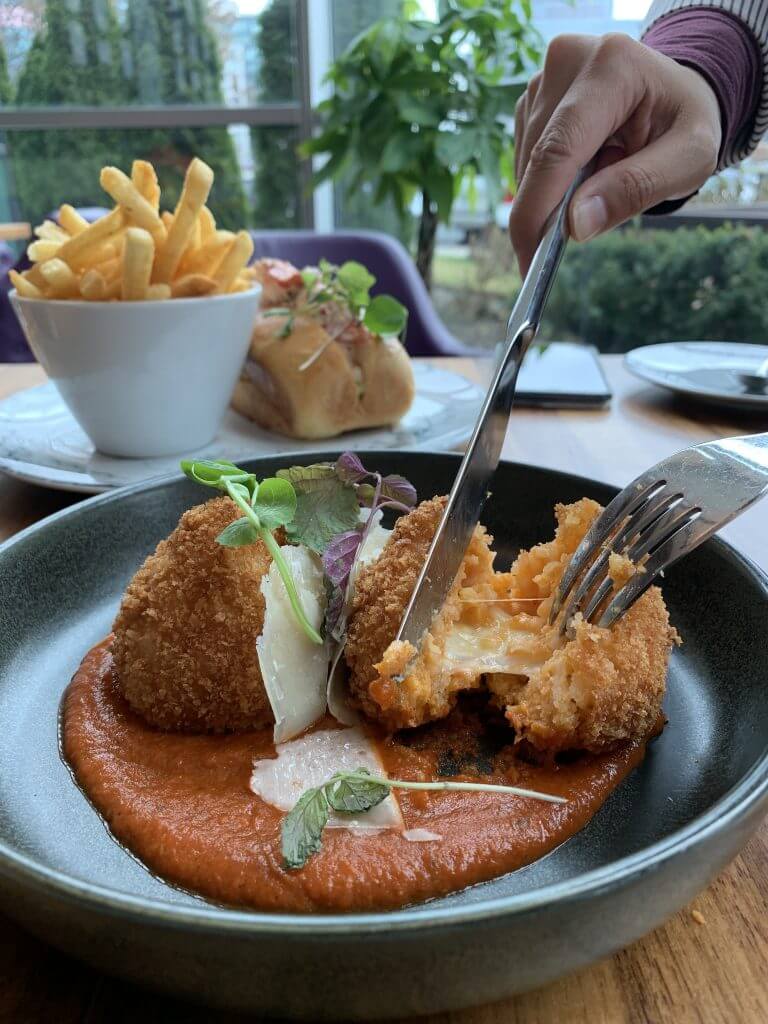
{"x": 419, "y": 105}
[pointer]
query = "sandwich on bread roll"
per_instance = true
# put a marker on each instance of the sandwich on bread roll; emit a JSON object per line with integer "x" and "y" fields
{"x": 315, "y": 369}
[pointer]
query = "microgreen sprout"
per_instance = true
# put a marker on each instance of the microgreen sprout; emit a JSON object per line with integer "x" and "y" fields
{"x": 265, "y": 507}
{"x": 354, "y": 792}
{"x": 348, "y": 287}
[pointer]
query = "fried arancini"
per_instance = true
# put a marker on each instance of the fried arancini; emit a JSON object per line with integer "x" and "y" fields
{"x": 185, "y": 637}
{"x": 586, "y": 692}
{"x": 381, "y": 593}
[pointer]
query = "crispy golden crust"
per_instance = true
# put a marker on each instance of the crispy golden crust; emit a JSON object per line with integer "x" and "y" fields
{"x": 185, "y": 636}
{"x": 381, "y": 594}
{"x": 589, "y": 692}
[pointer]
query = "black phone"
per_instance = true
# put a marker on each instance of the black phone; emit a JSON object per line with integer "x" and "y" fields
{"x": 562, "y": 375}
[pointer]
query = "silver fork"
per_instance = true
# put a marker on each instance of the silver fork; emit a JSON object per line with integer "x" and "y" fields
{"x": 662, "y": 515}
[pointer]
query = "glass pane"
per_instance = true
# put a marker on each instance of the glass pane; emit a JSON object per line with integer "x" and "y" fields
{"x": 147, "y": 52}
{"x": 256, "y": 171}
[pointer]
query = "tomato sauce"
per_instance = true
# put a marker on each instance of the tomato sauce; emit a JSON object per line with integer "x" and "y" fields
{"x": 182, "y": 804}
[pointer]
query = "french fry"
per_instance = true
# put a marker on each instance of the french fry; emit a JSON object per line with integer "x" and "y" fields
{"x": 144, "y": 178}
{"x": 138, "y": 255}
{"x": 197, "y": 185}
{"x": 207, "y": 224}
{"x": 242, "y": 284}
{"x": 93, "y": 286}
{"x": 191, "y": 285}
{"x": 61, "y": 280}
{"x": 207, "y": 258}
{"x": 139, "y": 211}
{"x": 73, "y": 251}
{"x": 42, "y": 249}
{"x": 167, "y": 218}
{"x": 50, "y": 231}
{"x": 235, "y": 259}
{"x": 157, "y": 292}
{"x": 110, "y": 269}
{"x": 25, "y": 288}
{"x": 71, "y": 220}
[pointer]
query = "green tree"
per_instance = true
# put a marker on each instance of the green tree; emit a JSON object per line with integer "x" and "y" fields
{"x": 74, "y": 59}
{"x": 276, "y": 181}
{"x": 6, "y": 89}
{"x": 172, "y": 59}
{"x": 355, "y": 206}
{"x": 419, "y": 105}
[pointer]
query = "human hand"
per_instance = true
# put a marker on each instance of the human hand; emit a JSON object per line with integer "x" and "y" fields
{"x": 654, "y": 123}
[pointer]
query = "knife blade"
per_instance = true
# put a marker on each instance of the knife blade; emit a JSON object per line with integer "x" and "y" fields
{"x": 471, "y": 487}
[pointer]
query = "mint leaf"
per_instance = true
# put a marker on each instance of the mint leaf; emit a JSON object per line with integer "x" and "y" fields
{"x": 302, "y": 828}
{"x": 238, "y": 534}
{"x": 351, "y": 795}
{"x": 275, "y": 503}
{"x": 385, "y": 316}
{"x": 325, "y": 506}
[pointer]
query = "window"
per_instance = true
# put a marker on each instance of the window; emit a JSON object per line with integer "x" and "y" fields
{"x": 89, "y": 82}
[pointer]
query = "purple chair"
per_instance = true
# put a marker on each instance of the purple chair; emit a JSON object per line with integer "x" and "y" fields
{"x": 390, "y": 264}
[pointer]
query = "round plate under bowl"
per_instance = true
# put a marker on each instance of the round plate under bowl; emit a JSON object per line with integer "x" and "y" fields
{"x": 705, "y": 371}
{"x": 658, "y": 840}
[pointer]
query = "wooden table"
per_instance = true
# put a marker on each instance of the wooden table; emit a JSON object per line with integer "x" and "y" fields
{"x": 708, "y": 964}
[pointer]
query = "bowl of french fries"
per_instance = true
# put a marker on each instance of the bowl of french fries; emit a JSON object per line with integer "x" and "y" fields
{"x": 143, "y": 318}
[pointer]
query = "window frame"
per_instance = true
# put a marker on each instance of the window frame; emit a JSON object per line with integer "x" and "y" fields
{"x": 294, "y": 114}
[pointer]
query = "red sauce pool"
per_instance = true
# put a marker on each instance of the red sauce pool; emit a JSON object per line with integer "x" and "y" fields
{"x": 182, "y": 804}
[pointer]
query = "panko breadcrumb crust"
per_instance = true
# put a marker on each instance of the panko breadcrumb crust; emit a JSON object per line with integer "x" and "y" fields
{"x": 591, "y": 691}
{"x": 184, "y": 642}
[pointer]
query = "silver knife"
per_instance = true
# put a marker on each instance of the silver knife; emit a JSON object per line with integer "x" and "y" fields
{"x": 470, "y": 488}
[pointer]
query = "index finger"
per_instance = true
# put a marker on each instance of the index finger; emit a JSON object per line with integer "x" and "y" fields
{"x": 579, "y": 126}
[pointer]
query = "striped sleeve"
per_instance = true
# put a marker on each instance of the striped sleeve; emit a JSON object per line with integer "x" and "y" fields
{"x": 753, "y": 14}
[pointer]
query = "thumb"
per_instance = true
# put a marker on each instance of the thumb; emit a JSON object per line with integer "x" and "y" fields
{"x": 664, "y": 169}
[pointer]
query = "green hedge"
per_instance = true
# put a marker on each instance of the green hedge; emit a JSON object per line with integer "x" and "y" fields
{"x": 636, "y": 287}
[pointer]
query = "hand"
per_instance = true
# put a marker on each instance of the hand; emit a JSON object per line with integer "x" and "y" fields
{"x": 654, "y": 123}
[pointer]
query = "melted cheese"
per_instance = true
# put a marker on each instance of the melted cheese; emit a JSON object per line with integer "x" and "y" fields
{"x": 310, "y": 761}
{"x": 495, "y": 646}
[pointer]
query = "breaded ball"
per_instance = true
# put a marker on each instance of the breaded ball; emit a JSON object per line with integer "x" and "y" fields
{"x": 185, "y": 637}
{"x": 588, "y": 691}
{"x": 381, "y": 594}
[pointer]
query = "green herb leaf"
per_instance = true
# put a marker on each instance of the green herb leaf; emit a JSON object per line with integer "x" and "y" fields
{"x": 354, "y": 277}
{"x": 351, "y": 795}
{"x": 325, "y": 506}
{"x": 238, "y": 534}
{"x": 212, "y": 473}
{"x": 385, "y": 316}
{"x": 303, "y": 828}
{"x": 275, "y": 502}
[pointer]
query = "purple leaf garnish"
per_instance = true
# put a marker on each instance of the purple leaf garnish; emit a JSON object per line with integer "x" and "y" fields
{"x": 397, "y": 488}
{"x": 350, "y": 469}
{"x": 339, "y": 556}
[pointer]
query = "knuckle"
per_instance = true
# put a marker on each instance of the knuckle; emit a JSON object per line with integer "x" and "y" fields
{"x": 559, "y": 140}
{"x": 561, "y": 48}
{"x": 613, "y": 46}
{"x": 638, "y": 187}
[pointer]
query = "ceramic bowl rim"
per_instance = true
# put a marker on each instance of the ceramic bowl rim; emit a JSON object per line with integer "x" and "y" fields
{"x": 725, "y": 812}
{"x": 150, "y": 304}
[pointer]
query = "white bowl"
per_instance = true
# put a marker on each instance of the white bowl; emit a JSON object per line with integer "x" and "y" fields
{"x": 143, "y": 378}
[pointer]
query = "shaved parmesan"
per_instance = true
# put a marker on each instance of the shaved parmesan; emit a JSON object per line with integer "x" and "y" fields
{"x": 310, "y": 761}
{"x": 294, "y": 668}
{"x": 370, "y": 549}
{"x": 421, "y": 835}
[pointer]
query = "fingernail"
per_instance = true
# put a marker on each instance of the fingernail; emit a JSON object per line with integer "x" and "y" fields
{"x": 590, "y": 216}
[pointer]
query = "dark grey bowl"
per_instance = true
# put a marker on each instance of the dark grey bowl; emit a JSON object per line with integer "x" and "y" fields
{"x": 658, "y": 840}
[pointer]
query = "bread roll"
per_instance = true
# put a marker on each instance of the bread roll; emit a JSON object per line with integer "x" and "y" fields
{"x": 360, "y": 381}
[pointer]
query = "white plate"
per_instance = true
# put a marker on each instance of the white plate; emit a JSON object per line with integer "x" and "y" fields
{"x": 704, "y": 370}
{"x": 41, "y": 443}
